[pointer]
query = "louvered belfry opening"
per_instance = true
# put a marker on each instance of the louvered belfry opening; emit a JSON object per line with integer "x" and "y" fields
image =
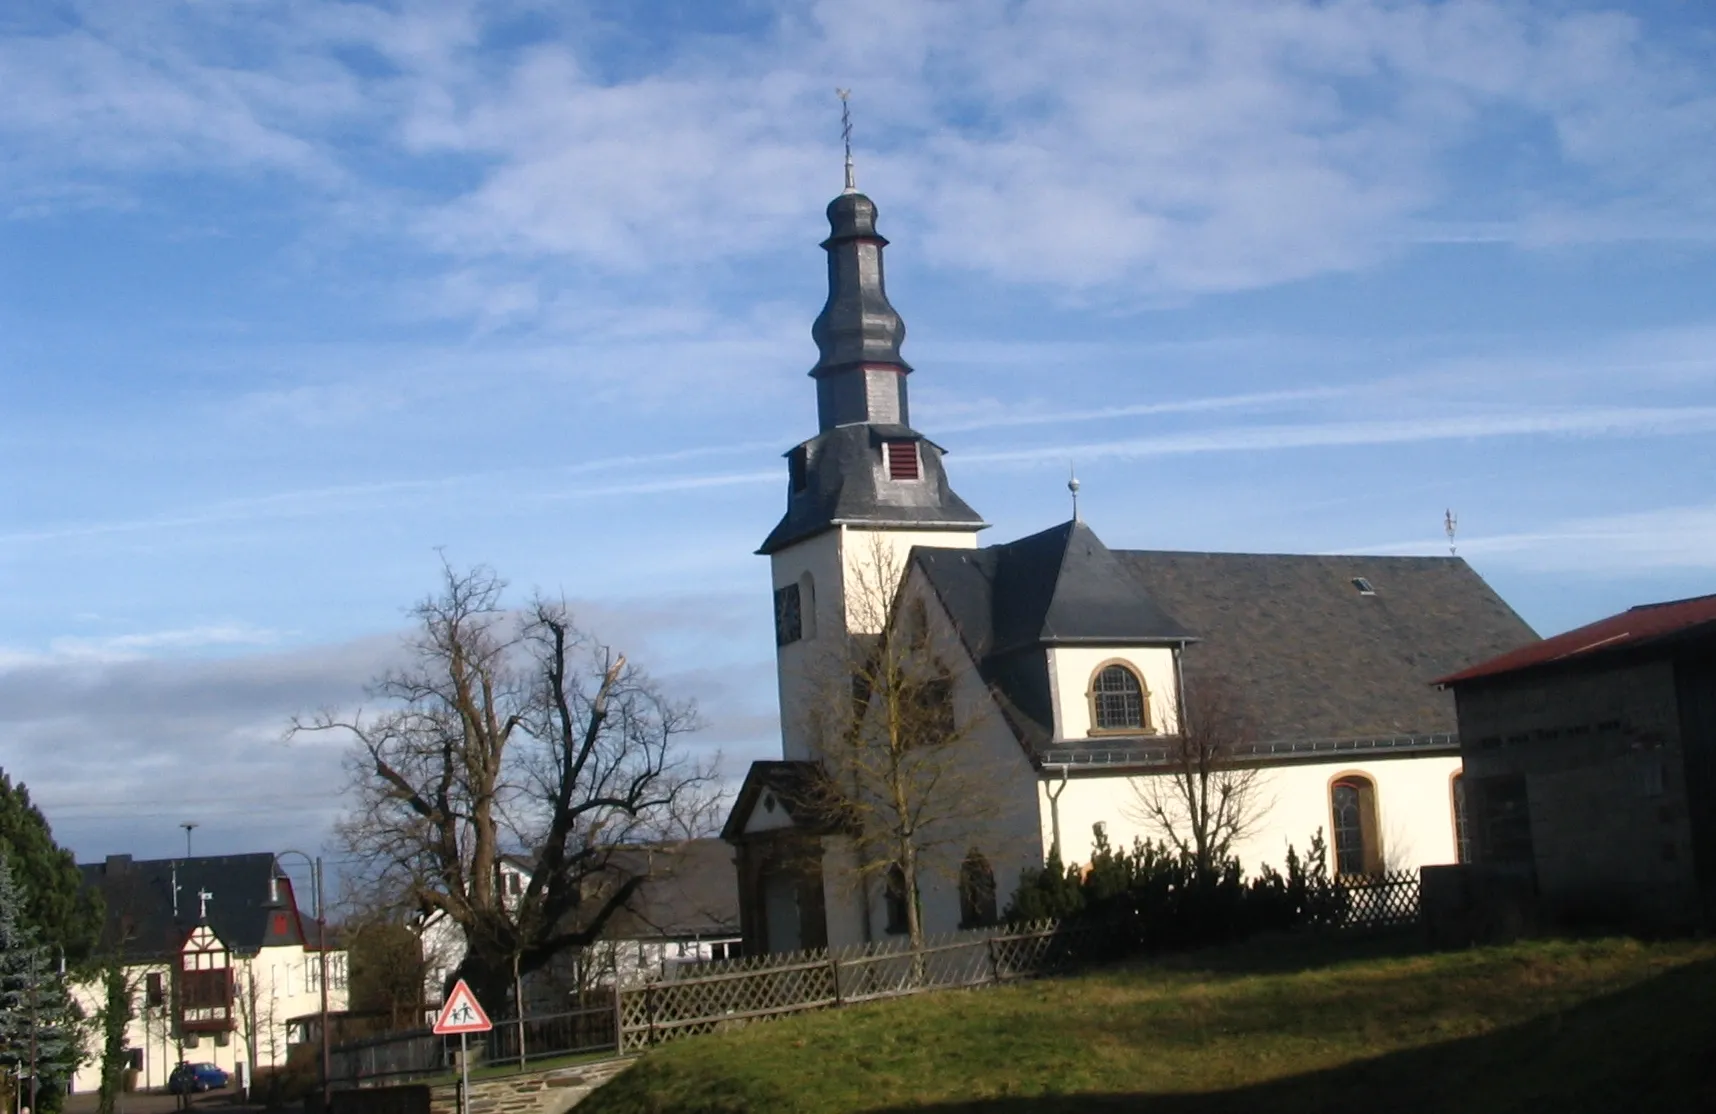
{"x": 902, "y": 458}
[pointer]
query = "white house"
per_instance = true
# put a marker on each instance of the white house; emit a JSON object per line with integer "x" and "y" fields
{"x": 1068, "y": 660}
{"x": 685, "y": 912}
{"x": 218, "y": 960}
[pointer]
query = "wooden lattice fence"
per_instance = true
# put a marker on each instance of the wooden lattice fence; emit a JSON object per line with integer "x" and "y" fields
{"x": 1364, "y": 901}
{"x": 732, "y": 992}
{"x": 773, "y": 986}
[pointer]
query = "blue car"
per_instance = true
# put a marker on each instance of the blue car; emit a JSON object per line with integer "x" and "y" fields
{"x": 191, "y": 1078}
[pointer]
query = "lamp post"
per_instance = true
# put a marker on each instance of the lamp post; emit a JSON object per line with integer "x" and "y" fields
{"x": 315, "y": 866}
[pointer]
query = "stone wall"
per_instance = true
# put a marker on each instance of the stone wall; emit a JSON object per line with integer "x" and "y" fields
{"x": 1601, "y": 758}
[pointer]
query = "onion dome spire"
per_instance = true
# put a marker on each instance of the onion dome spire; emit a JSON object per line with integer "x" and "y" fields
{"x": 861, "y": 376}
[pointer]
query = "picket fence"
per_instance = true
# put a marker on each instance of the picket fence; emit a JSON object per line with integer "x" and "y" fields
{"x": 721, "y": 994}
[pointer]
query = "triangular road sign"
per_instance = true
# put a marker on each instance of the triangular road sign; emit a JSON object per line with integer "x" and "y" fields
{"x": 462, "y": 1014}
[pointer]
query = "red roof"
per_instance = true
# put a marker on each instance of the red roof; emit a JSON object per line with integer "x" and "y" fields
{"x": 1630, "y": 629}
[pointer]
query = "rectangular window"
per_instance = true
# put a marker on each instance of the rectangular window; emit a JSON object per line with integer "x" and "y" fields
{"x": 1504, "y": 829}
{"x": 154, "y": 993}
{"x": 902, "y": 457}
{"x": 1650, "y": 775}
{"x": 789, "y": 616}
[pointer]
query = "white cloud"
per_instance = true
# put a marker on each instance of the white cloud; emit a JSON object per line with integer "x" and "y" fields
{"x": 121, "y": 739}
{"x": 1605, "y": 421}
{"x": 1126, "y": 149}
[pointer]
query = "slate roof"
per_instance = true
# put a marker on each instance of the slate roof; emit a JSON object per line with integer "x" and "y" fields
{"x": 691, "y": 890}
{"x": 138, "y": 895}
{"x": 792, "y": 783}
{"x": 845, "y": 485}
{"x": 1310, "y": 656}
{"x": 1305, "y": 653}
{"x": 1639, "y": 628}
{"x": 1062, "y": 586}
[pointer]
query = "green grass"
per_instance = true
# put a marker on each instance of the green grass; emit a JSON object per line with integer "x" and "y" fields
{"x": 1570, "y": 1026}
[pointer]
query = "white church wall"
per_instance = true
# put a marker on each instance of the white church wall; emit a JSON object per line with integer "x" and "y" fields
{"x": 864, "y": 551}
{"x": 842, "y": 569}
{"x": 987, "y": 807}
{"x": 1073, "y": 669}
{"x": 1414, "y": 801}
{"x": 843, "y": 897}
{"x": 802, "y": 665}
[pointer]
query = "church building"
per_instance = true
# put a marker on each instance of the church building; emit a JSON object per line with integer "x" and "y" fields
{"x": 1067, "y": 664}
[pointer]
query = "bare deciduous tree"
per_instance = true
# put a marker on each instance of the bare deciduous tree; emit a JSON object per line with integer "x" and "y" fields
{"x": 1206, "y": 799}
{"x": 893, "y": 739}
{"x": 513, "y": 733}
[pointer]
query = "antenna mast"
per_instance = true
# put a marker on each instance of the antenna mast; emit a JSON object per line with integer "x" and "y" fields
{"x": 846, "y": 135}
{"x": 1450, "y": 523}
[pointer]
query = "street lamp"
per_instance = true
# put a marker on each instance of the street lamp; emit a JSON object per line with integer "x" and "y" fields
{"x": 315, "y": 866}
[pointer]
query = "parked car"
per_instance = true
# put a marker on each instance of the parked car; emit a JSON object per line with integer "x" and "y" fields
{"x": 189, "y": 1078}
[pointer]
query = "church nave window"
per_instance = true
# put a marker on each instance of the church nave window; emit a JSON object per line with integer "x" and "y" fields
{"x": 894, "y": 901}
{"x": 1358, "y": 845}
{"x": 1117, "y": 700}
{"x": 1462, "y": 831}
{"x": 976, "y": 891}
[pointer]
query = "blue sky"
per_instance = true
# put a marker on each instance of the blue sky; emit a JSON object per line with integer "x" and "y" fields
{"x": 293, "y": 294}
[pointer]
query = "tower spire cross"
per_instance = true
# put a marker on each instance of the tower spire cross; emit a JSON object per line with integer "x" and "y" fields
{"x": 846, "y": 136}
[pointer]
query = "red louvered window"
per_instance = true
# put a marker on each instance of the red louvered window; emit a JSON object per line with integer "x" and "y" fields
{"x": 902, "y": 457}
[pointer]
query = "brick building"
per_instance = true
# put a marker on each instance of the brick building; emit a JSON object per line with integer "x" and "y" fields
{"x": 1591, "y": 758}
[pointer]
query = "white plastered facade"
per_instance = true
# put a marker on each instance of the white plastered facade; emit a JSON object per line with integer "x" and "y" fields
{"x": 1414, "y": 802}
{"x": 1413, "y": 795}
{"x": 270, "y": 987}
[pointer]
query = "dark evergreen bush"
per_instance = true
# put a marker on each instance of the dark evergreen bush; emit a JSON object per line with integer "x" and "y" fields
{"x": 1151, "y": 898}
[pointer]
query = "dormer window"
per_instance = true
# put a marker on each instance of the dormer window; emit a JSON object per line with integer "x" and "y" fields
{"x": 901, "y": 459}
{"x": 1118, "y": 700}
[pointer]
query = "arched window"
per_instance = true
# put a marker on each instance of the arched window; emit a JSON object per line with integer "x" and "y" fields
{"x": 976, "y": 891}
{"x": 1462, "y": 833}
{"x": 1358, "y": 848}
{"x": 894, "y": 899}
{"x": 1117, "y": 700}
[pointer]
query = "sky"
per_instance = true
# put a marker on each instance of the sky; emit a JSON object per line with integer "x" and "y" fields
{"x": 296, "y": 298}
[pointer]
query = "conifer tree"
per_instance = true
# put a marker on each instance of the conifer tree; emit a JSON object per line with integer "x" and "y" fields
{"x": 39, "y": 1023}
{"x": 58, "y": 909}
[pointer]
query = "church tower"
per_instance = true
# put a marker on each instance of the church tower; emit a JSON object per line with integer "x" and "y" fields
{"x": 867, "y": 488}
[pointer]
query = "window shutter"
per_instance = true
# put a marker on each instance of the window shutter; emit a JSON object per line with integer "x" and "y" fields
{"x": 902, "y": 460}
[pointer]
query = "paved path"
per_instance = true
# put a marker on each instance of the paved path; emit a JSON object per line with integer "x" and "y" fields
{"x": 156, "y": 1102}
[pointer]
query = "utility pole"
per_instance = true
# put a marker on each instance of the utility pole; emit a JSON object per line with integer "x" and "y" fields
{"x": 319, "y": 893}
{"x": 322, "y": 948}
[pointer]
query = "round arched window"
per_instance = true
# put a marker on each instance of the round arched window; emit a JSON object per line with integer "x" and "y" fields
{"x": 1118, "y": 700}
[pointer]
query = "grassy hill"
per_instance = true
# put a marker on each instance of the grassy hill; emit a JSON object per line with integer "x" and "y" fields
{"x": 1607, "y": 1025}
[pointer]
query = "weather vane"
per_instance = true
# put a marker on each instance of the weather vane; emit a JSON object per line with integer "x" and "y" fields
{"x": 1072, "y": 486}
{"x": 846, "y": 135}
{"x": 1450, "y": 523}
